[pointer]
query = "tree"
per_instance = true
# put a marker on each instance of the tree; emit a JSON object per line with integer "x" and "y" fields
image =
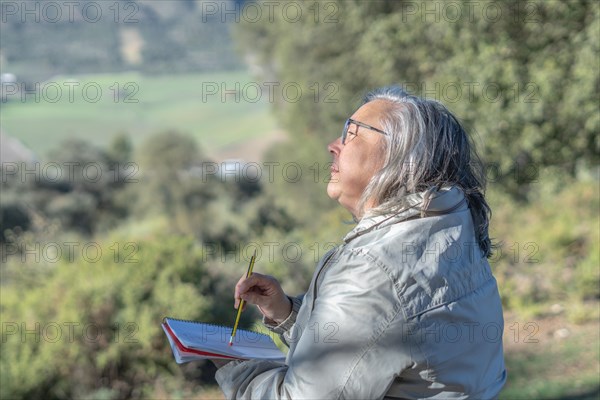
{"x": 165, "y": 159}
{"x": 525, "y": 79}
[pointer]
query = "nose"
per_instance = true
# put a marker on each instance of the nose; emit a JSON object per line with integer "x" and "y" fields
{"x": 335, "y": 146}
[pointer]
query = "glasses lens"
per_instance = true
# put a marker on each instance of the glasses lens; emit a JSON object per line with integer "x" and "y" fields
{"x": 345, "y": 131}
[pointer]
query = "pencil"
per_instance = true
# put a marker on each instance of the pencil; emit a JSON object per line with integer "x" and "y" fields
{"x": 241, "y": 306}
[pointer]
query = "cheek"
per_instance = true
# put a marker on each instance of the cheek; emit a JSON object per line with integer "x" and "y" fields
{"x": 356, "y": 172}
{"x": 362, "y": 163}
{"x": 373, "y": 163}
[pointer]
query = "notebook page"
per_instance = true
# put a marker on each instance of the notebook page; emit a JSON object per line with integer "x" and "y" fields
{"x": 215, "y": 338}
{"x": 183, "y": 355}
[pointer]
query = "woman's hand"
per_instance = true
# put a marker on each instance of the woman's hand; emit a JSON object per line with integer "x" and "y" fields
{"x": 266, "y": 292}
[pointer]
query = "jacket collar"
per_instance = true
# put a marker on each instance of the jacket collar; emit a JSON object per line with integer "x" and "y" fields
{"x": 430, "y": 202}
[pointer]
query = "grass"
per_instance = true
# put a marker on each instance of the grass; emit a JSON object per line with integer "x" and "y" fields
{"x": 555, "y": 368}
{"x": 178, "y": 102}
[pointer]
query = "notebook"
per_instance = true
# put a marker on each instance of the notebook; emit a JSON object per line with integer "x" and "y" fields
{"x": 191, "y": 341}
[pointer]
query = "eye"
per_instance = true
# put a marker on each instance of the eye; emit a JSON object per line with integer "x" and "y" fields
{"x": 352, "y": 133}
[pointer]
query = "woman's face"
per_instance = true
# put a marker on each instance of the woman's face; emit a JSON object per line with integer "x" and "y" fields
{"x": 356, "y": 161}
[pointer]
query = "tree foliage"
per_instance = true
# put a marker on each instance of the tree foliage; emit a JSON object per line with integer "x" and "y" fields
{"x": 523, "y": 75}
{"x": 78, "y": 188}
{"x": 98, "y": 323}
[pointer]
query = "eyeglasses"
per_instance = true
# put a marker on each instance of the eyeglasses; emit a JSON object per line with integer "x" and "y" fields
{"x": 358, "y": 123}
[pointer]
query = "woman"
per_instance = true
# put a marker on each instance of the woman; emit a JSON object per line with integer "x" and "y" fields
{"x": 406, "y": 307}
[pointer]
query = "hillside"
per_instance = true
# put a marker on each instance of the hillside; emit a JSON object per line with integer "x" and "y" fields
{"x": 40, "y": 40}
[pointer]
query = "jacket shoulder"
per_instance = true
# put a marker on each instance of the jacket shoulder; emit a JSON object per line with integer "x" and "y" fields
{"x": 431, "y": 261}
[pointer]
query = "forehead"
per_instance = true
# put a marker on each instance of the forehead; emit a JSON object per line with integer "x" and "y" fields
{"x": 371, "y": 112}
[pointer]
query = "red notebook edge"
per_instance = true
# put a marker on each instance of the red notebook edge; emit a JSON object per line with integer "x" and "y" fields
{"x": 184, "y": 349}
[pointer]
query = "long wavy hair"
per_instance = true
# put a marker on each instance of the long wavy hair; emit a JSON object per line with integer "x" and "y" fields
{"x": 426, "y": 147}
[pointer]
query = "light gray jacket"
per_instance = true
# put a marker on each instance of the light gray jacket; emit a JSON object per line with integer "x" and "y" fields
{"x": 406, "y": 307}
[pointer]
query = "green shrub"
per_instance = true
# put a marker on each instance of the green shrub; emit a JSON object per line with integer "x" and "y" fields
{"x": 549, "y": 248}
{"x": 93, "y": 328}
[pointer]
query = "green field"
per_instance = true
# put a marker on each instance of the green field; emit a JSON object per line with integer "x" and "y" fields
{"x": 153, "y": 104}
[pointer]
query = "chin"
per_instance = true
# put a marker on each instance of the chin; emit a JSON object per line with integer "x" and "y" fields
{"x": 331, "y": 192}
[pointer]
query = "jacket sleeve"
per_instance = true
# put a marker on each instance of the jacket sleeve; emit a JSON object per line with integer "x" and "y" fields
{"x": 283, "y": 329}
{"x": 346, "y": 349}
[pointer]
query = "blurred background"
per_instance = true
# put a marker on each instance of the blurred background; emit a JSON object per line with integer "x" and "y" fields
{"x": 149, "y": 147}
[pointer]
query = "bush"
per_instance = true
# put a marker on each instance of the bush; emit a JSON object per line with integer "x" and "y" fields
{"x": 548, "y": 249}
{"x": 95, "y": 326}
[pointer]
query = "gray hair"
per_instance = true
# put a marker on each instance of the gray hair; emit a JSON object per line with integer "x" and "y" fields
{"x": 426, "y": 147}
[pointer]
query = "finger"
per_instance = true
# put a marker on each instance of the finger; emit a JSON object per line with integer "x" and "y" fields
{"x": 237, "y": 303}
{"x": 253, "y": 298}
{"x": 236, "y": 294}
{"x": 245, "y": 284}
